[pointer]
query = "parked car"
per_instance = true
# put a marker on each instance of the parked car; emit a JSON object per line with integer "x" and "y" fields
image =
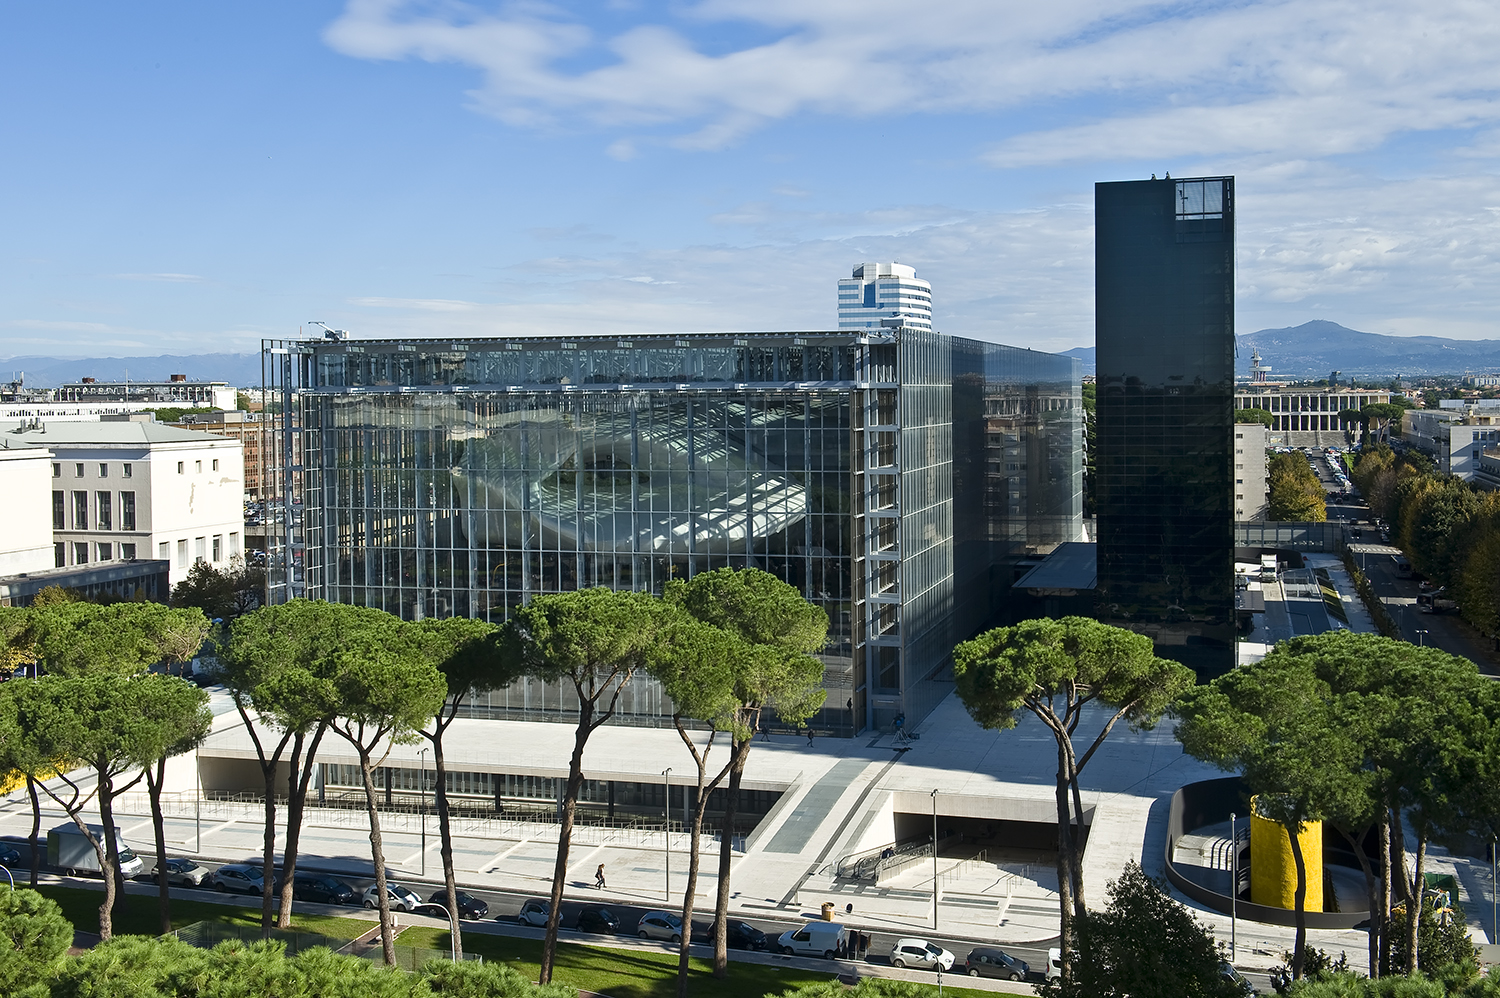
{"x": 1054, "y": 964}
{"x": 182, "y": 871}
{"x": 534, "y": 912}
{"x": 920, "y": 953}
{"x": 813, "y": 939}
{"x": 469, "y": 906}
{"x": 9, "y": 855}
{"x": 322, "y": 889}
{"x": 595, "y": 918}
{"x": 660, "y": 925}
{"x": 738, "y": 934}
{"x": 987, "y": 961}
{"x": 243, "y": 878}
{"x": 1227, "y": 971}
{"x": 400, "y": 897}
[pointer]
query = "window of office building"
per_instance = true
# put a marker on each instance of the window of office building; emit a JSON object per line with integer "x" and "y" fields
{"x": 127, "y": 552}
{"x": 56, "y": 470}
{"x": 200, "y": 549}
{"x": 78, "y": 470}
{"x": 164, "y": 550}
{"x": 125, "y": 470}
{"x": 234, "y": 543}
{"x": 182, "y": 553}
{"x": 80, "y": 511}
{"x": 198, "y": 467}
{"x": 59, "y": 555}
{"x": 180, "y": 466}
{"x": 216, "y": 464}
{"x": 218, "y": 548}
{"x": 59, "y": 511}
{"x": 104, "y": 510}
{"x": 80, "y": 553}
{"x": 103, "y": 470}
{"x": 105, "y": 552}
{"x": 127, "y": 510}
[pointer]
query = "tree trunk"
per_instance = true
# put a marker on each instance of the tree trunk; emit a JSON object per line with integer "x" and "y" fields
{"x": 1076, "y": 834}
{"x": 377, "y": 855}
{"x": 445, "y": 840}
{"x": 109, "y": 866}
{"x": 1385, "y": 893}
{"x": 690, "y": 893}
{"x": 1064, "y": 863}
{"x": 299, "y": 778}
{"x": 1414, "y": 907}
{"x": 1372, "y": 894}
{"x": 268, "y": 850}
{"x": 739, "y": 754}
{"x": 1299, "y": 902}
{"x": 158, "y": 825}
{"x": 36, "y": 830}
{"x": 565, "y": 835}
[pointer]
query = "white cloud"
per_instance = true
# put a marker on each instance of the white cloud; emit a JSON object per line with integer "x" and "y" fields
{"x": 162, "y": 278}
{"x": 1303, "y": 77}
{"x": 416, "y": 304}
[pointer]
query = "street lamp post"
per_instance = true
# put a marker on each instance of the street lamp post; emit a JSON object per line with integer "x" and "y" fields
{"x": 198, "y": 804}
{"x": 422, "y": 802}
{"x": 1234, "y": 883}
{"x": 1494, "y": 887}
{"x": 453, "y": 931}
{"x": 666, "y": 835}
{"x": 9, "y": 877}
{"x": 934, "y": 863}
{"x": 1421, "y": 638}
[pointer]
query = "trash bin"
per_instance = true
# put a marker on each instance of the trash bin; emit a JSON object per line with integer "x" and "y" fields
{"x": 827, "y": 911}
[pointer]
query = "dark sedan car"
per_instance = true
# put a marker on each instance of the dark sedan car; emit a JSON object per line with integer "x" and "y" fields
{"x": 987, "y": 961}
{"x": 322, "y": 889}
{"x": 243, "y": 878}
{"x": 469, "y": 906}
{"x": 9, "y": 855}
{"x": 596, "y": 919}
{"x": 739, "y": 935}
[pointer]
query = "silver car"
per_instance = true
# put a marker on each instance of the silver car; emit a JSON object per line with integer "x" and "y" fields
{"x": 660, "y": 925}
{"x": 534, "y": 912}
{"x": 920, "y": 953}
{"x": 401, "y": 898}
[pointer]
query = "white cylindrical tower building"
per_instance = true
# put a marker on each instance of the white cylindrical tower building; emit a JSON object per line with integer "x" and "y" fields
{"x": 884, "y": 294}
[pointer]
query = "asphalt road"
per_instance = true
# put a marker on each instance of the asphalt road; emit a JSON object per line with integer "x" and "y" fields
{"x": 505, "y": 905}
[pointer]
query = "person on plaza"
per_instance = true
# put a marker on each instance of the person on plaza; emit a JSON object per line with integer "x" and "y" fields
{"x": 599, "y": 878}
{"x": 809, "y": 736}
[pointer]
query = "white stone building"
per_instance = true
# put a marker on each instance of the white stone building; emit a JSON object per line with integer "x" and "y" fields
{"x": 132, "y": 488}
{"x": 1304, "y": 416}
{"x": 885, "y": 295}
{"x": 1249, "y": 471}
{"x": 26, "y": 527}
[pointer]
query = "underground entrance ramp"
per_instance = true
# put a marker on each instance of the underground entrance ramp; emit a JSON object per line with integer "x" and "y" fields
{"x": 797, "y": 831}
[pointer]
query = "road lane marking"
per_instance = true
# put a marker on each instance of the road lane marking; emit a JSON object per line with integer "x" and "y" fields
{"x": 501, "y": 855}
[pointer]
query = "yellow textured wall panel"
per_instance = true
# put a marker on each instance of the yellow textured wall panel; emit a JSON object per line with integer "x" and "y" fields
{"x": 1273, "y": 872}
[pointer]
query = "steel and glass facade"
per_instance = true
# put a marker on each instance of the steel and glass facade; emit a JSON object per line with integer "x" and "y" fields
{"x": 891, "y": 476}
{"x": 1164, "y": 319}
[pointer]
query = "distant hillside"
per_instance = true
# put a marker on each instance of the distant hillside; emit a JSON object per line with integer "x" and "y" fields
{"x": 1315, "y": 348}
{"x": 239, "y": 369}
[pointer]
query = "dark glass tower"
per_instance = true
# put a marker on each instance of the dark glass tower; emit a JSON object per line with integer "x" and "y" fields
{"x": 1164, "y": 326}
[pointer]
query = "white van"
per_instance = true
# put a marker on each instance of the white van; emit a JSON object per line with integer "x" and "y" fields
{"x": 1054, "y": 964}
{"x": 813, "y": 939}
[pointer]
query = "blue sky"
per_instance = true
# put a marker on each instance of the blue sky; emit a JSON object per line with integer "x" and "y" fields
{"x": 192, "y": 177}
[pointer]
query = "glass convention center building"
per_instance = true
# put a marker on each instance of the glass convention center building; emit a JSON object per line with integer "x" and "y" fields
{"x": 896, "y": 477}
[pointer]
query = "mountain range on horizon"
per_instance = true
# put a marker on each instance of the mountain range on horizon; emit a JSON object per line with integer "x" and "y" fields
{"x": 1316, "y": 348}
{"x": 1311, "y": 350}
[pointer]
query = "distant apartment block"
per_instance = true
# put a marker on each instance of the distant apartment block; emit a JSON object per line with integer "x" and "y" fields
{"x": 1481, "y": 380}
{"x": 1307, "y": 417}
{"x": 176, "y": 391}
{"x": 885, "y": 295}
{"x": 1456, "y": 436}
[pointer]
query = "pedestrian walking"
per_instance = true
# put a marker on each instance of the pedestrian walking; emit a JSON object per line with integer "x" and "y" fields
{"x": 809, "y": 736}
{"x": 599, "y": 878}
{"x": 765, "y": 732}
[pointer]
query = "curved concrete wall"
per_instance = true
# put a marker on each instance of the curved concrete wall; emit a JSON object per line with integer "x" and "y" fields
{"x": 1209, "y": 802}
